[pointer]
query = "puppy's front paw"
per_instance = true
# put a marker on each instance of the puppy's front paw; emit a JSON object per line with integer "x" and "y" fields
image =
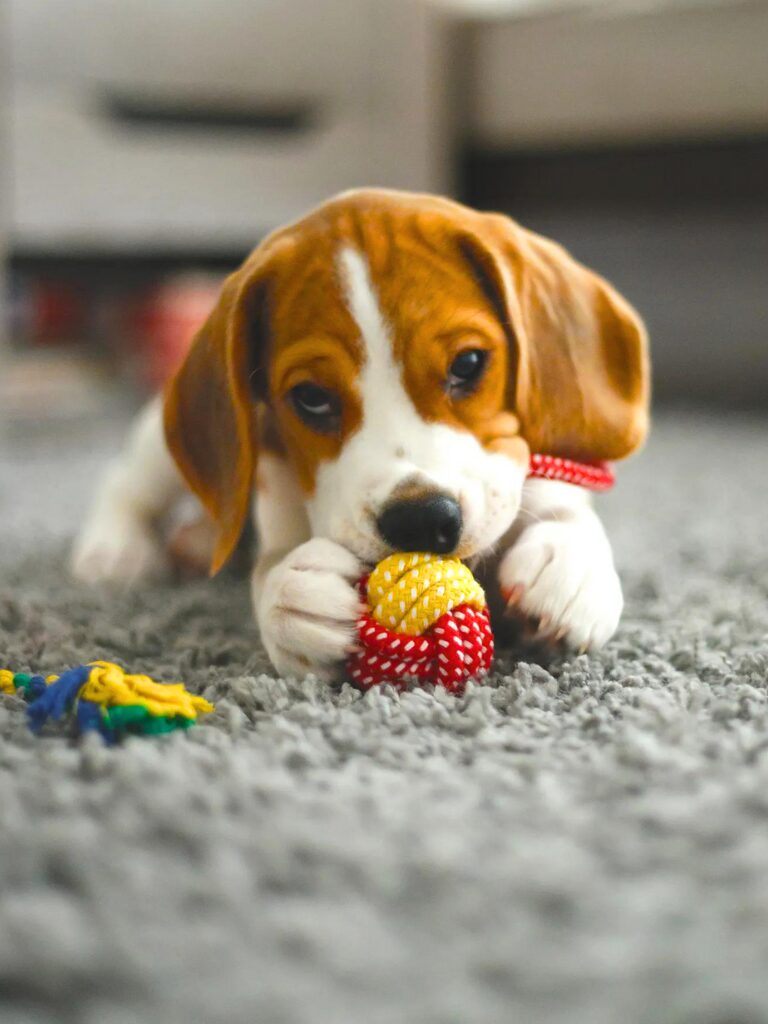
{"x": 117, "y": 548}
{"x": 307, "y": 609}
{"x": 562, "y": 578}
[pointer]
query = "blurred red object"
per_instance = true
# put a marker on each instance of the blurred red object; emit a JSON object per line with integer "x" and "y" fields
{"x": 166, "y": 321}
{"x": 46, "y": 313}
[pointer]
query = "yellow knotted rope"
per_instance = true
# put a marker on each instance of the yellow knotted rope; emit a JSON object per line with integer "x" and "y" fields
{"x": 110, "y": 686}
{"x": 409, "y": 593}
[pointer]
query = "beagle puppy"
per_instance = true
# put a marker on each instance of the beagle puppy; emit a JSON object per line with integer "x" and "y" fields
{"x": 375, "y": 378}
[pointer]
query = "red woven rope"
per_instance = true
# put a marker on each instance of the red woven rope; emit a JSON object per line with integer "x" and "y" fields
{"x": 597, "y": 476}
{"x": 456, "y": 648}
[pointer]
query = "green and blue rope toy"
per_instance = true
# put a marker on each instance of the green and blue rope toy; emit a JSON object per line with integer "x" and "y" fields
{"x": 101, "y": 697}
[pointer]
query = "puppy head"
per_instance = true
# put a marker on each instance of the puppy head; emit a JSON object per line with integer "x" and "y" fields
{"x": 405, "y": 354}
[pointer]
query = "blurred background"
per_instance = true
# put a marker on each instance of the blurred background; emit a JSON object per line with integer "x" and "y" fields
{"x": 147, "y": 146}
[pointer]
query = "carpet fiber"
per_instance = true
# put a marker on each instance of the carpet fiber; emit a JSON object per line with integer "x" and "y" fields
{"x": 582, "y": 842}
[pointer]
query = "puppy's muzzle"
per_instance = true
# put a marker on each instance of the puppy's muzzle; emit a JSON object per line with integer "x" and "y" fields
{"x": 430, "y": 522}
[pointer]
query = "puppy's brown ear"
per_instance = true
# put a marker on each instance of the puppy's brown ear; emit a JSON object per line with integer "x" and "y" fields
{"x": 579, "y": 368}
{"x": 209, "y": 407}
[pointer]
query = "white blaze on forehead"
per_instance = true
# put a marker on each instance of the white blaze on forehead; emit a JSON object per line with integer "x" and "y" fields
{"x": 380, "y": 380}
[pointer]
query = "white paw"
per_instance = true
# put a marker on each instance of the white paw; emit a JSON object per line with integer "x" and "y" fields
{"x": 307, "y": 608}
{"x": 561, "y": 576}
{"x": 119, "y": 548}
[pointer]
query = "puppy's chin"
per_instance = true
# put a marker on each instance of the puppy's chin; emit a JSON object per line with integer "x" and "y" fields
{"x": 481, "y": 539}
{"x": 369, "y": 548}
{"x": 471, "y": 550}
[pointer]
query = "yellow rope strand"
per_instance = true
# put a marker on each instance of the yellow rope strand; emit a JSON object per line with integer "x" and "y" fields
{"x": 109, "y": 685}
{"x": 409, "y": 593}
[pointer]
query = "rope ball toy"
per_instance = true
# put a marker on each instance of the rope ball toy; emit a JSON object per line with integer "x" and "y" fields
{"x": 101, "y": 697}
{"x": 426, "y": 616}
{"x": 426, "y": 619}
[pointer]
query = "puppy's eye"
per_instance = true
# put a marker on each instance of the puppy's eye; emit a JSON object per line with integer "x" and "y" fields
{"x": 466, "y": 370}
{"x": 319, "y": 407}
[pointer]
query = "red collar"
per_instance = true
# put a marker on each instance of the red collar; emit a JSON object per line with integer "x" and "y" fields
{"x": 595, "y": 476}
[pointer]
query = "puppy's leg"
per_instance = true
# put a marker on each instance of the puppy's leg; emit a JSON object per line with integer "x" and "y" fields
{"x": 117, "y": 540}
{"x": 559, "y": 569}
{"x": 304, "y": 594}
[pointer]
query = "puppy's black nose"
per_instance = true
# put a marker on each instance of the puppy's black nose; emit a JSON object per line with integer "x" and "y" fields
{"x": 430, "y": 523}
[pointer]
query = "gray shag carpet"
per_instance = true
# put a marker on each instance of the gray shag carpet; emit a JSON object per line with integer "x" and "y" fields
{"x": 582, "y": 842}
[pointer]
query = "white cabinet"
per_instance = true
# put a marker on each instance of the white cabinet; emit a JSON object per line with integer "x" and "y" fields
{"x": 360, "y": 79}
{"x": 619, "y": 72}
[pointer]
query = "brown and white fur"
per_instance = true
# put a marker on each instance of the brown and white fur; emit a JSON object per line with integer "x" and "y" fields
{"x": 371, "y": 298}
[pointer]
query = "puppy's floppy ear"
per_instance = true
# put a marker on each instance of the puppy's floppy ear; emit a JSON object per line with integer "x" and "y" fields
{"x": 579, "y": 369}
{"x": 209, "y": 410}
